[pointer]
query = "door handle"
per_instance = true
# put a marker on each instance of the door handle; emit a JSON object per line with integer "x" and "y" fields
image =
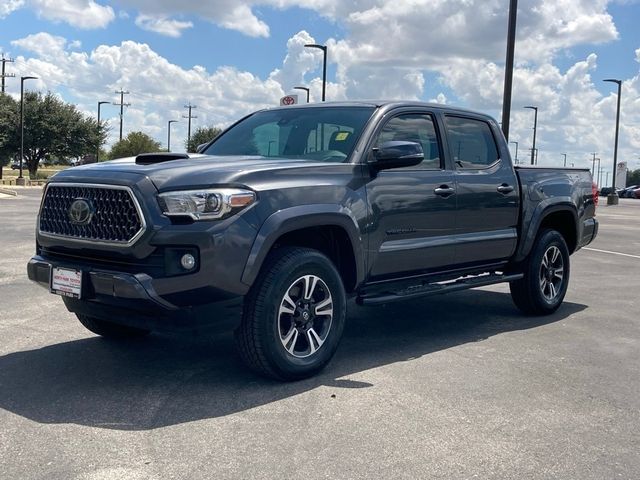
{"x": 504, "y": 188}
{"x": 444, "y": 191}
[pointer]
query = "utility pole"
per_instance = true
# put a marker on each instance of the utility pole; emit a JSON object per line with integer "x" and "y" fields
{"x": 565, "y": 159}
{"x": 5, "y": 75}
{"x": 190, "y": 107}
{"x": 593, "y": 165}
{"x": 122, "y": 105}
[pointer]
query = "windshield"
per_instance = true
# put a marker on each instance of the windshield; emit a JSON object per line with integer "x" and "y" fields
{"x": 320, "y": 134}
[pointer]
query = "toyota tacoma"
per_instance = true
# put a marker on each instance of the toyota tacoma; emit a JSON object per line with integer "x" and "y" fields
{"x": 293, "y": 211}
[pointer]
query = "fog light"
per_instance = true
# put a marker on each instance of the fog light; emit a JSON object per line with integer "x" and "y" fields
{"x": 188, "y": 261}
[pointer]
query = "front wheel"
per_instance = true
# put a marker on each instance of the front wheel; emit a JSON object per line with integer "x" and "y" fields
{"x": 293, "y": 316}
{"x": 546, "y": 276}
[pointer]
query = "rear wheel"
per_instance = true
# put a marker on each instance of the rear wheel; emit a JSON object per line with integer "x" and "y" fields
{"x": 293, "y": 316}
{"x": 110, "y": 329}
{"x": 546, "y": 276}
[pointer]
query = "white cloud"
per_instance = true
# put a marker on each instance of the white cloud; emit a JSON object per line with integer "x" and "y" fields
{"x": 85, "y": 14}
{"x": 162, "y": 25}
{"x": 159, "y": 88}
{"x": 388, "y": 50}
{"x": 9, "y": 6}
{"x": 231, "y": 14}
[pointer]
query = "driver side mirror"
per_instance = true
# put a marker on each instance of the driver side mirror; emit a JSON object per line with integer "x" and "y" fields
{"x": 396, "y": 154}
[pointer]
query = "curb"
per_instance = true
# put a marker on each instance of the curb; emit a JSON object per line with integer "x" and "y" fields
{"x": 8, "y": 191}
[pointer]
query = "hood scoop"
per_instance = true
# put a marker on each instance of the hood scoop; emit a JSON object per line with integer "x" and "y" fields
{"x": 152, "y": 158}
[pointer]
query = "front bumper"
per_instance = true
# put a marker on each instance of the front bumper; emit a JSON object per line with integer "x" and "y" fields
{"x": 131, "y": 299}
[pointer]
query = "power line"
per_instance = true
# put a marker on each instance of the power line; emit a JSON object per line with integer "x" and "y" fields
{"x": 5, "y": 75}
{"x": 122, "y": 105}
{"x": 190, "y": 107}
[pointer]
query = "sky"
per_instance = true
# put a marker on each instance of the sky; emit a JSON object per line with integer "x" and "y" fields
{"x": 231, "y": 57}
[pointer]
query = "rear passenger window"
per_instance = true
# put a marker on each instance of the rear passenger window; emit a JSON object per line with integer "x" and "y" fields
{"x": 417, "y": 128}
{"x": 471, "y": 143}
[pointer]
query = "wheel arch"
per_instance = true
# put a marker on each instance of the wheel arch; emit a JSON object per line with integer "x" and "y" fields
{"x": 330, "y": 229}
{"x": 560, "y": 217}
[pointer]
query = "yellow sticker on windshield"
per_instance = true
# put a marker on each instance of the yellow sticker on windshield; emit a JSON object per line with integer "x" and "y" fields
{"x": 342, "y": 136}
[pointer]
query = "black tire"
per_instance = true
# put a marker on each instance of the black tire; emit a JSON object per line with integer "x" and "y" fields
{"x": 109, "y": 329}
{"x": 291, "y": 345}
{"x": 542, "y": 291}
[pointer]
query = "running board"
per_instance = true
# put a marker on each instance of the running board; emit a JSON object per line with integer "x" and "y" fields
{"x": 423, "y": 290}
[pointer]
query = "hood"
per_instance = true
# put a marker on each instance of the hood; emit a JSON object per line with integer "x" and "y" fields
{"x": 197, "y": 171}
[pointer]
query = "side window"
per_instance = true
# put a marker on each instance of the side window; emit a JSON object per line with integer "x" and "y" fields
{"x": 471, "y": 143}
{"x": 417, "y": 128}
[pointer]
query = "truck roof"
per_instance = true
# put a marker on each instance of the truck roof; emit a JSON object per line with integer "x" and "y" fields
{"x": 388, "y": 104}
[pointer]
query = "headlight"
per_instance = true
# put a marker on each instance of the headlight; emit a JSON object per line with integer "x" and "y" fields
{"x": 205, "y": 204}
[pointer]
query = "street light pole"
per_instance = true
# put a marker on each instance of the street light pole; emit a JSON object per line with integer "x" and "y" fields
{"x": 508, "y": 70}
{"x": 565, "y": 159}
{"x": 20, "y": 180}
{"x": 324, "y": 66}
{"x": 597, "y": 177}
{"x": 516, "y": 159}
{"x": 612, "y": 198}
{"x": 98, "y": 151}
{"x": 169, "y": 134}
{"x": 305, "y": 89}
{"x": 535, "y": 128}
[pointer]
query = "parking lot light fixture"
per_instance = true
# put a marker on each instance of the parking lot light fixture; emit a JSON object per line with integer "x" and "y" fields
{"x": 612, "y": 198}
{"x": 324, "y": 65}
{"x": 20, "y": 180}
{"x": 535, "y": 128}
{"x": 516, "y": 157}
{"x": 169, "y": 134}
{"x": 98, "y": 151}
{"x": 306, "y": 89}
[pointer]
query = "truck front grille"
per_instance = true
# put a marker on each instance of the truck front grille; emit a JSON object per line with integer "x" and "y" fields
{"x": 113, "y": 214}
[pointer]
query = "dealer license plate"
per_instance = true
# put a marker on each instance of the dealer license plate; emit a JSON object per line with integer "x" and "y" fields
{"x": 66, "y": 282}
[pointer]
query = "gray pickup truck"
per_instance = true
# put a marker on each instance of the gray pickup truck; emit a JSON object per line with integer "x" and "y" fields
{"x": 294, "y": 210}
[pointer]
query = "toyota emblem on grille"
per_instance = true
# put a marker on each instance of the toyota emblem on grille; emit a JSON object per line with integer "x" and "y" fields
{"x": 80, "y": 211}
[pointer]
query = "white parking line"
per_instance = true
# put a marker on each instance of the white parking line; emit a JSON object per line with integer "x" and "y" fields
{"x": 612, "y": 253}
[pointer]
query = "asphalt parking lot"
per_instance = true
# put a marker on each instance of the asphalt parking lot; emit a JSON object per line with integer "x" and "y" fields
{"x": 456, "y": 387}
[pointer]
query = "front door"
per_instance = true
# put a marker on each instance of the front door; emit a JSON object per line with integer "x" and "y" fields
{"x": 412, "y": 209}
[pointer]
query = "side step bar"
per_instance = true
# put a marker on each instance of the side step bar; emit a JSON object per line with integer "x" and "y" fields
{"x": 423, "y": 290}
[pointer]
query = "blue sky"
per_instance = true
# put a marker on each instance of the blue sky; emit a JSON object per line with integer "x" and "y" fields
{"x": 231, "y": 57}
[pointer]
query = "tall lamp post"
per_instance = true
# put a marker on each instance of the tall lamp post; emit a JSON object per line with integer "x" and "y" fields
{"x": 565, "y": 159}
{"x": 21, "y": 180}
{"x": 516, "y": 159}
{"x": 98, "y": 151}
{"x": 612, "y": 198}
{"x": 508, "y": 68}
{"x": 597, "y": 177}
{"x": 169, "y": 134}
{"x": 324, "y": 66}
{"x": 305, "y": 89}
{"x": 535, "y": 127}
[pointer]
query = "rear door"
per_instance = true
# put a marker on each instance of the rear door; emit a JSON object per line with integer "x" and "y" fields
{"x": 412, "y": 209}
{"x": 486, "y": 189}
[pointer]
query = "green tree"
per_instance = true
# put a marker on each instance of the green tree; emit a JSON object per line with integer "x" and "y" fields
{"x": 53, "y": 128}
{"x": 633, "y": 177}
{"x": 9, "y": 140}
{"x": 134, "y": 144}
{"x": 200, "y": 136}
